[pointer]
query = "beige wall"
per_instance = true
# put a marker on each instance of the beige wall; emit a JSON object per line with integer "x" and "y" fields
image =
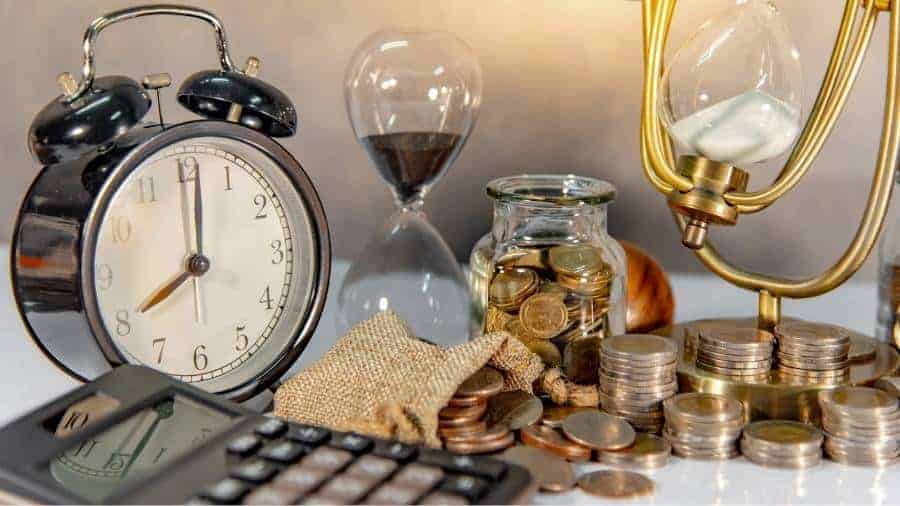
{"x": 562, "y": 85}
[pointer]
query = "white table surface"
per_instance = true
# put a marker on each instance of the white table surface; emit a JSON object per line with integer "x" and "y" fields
{"x": 28, "y": 379}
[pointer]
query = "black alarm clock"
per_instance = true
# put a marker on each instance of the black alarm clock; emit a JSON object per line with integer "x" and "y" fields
{"x": 199, "y": 249}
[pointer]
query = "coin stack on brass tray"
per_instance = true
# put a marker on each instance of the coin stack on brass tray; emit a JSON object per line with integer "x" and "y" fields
{"x": 782, "y": 443}
{"x": 862, "y": 426}
{"x": 812, "y": 352}
{"x": 637, "y": 373}
{"x": 741, "y": 353}
{"x": 704, "y": 426}
{"x": 463, "y": 423}
{"x": 550, "y": 296}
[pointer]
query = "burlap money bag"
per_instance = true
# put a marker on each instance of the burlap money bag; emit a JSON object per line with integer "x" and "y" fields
{"x": 381, "y": 380}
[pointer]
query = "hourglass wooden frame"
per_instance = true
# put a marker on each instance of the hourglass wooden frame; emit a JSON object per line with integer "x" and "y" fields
{"x": 849, "y": 52}
{"x": 722, "y": 199}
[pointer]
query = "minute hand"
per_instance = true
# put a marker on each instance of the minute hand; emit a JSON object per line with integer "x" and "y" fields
{"x": 198, "y": 212}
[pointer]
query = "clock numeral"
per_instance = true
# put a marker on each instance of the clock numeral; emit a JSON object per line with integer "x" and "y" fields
{"x": 123, "y": 326}
{"x": 187, "y": 169}
{"x": 200, "y": 358}
{"x": 242, "y": 339}
{"x": 121, "y": 229}
{"x": 148, "y": 189}
{"x": 104, "y": 276}
{"x": 228, "y": 178}
{"x": 277, "y": 252}
{"x": 162, "y": 345}
{"x": 75, "y": 420}
{"x": 86, "y": 447}
{"x": 266, "y": 298}
{"x": 260, "y": 201}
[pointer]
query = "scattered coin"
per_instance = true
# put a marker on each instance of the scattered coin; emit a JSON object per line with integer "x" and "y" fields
{"x": 514, "y": 409}
{"x": 614, "y": 484}
{"x": 463, "y": 430}
{"x": 554, "y": 416}
{"x": 487, "y": 382}
{"x": 481, "y": 446}
{"x": 541, "y": 436}
{"x": 463, "y": 413}
{"x": 647, "y": 451}
{"x": 552, "y": 473}
{"x": 599, "y": 431}
{"x": 862, "y": 349}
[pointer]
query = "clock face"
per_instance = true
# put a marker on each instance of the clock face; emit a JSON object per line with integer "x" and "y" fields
{"x": 204, "y": 263}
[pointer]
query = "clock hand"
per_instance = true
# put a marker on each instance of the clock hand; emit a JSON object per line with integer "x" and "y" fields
{"x": 199, "y": 317}
{"x": 163, "y": 292}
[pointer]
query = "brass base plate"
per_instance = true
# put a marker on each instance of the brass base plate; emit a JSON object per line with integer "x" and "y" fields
{"x": 771, "y": 398}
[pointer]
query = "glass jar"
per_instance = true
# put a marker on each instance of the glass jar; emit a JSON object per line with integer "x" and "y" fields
{"x": 549, "y": 272}
{"x": 888, "y": 321}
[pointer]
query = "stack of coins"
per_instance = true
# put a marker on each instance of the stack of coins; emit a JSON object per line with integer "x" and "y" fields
{"x": 812, "y": 352}
{"x": 703, "y": 426}
{"x": 647, "y": 452}
{"x": 862, "y": 426}
{"x": 637, "y": 373}
{"x": 549, "y": 296}
{"x": 462, "y": 423}
{"x": 741, "y": 353}
{"x": 781, "y": 443}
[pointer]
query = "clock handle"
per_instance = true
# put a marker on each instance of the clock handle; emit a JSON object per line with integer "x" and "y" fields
{"x": 73, "y": 90}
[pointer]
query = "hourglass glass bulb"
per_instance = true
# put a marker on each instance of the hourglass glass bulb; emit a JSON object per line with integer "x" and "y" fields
{"x": 732, "y": 92}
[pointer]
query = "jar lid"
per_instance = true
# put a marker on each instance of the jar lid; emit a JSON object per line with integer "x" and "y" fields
{"x": 566, "y": 190}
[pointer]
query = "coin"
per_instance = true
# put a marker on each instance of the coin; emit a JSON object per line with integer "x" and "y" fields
{"x": 738, "y": 338}
{"x": 514, "y": 409}
{"x": 497, "y": 431}
{"x": 862, "y": 349}
{"x": 544, "y": 315}
{"x": 460, "y": 401}
{"x": 554, "y": 416}
{"x": 597, "y": 430}
{"x": 463, "y": 430}
{"x": 574, "y": 260}
{"x": 541, "y": 436}
{"x": 478, "y": 447}
{"x": 510, "y": 286}
{"x": 463, "y": 413}
{"x": 552, "y": 473}
{"x": 614, "y": 484}
{"x": 647, "y": 451}
{"x": 496, "y": 320}
{"x": 890, "y": 385}
{"x": 639, "y": 347}
{"x": 859, "y": 401}
{"x": 548, "y": 351}
{"x": 581, "y": 360}
{"x": 486, "y": 382}
{"x": 811, "y": 332}
{"x": 553, "y": 288}
{"x": 784, "y": 437}
{"x": 704, "y": 407}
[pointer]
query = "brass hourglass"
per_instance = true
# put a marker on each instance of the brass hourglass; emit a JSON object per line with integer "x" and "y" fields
{"x": 412, "y": 97}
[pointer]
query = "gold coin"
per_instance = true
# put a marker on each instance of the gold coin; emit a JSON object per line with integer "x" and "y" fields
{"x": 859, "y": 401}
{"x": 510, "y": 286}
{"x": 614, "y": 484}
{"x": 552, "y": 288}
{"x": 737, "y": 338}
{"x": 784, "y": 436}
{"x": 518, "y": 331}
{"x": 524, "y": 257}
{"x": 819, "y": 333}
{"x": 544, "y": 315}
{"x": 890, "y": 385}
{"x": 704, "y": 408}
{"x": 647, "y": 451}
{"x": 541, "y": 436}
{"x": 641, "y": 347}
{"x": 548, "y": 351}
{"x": 468, "y": 448}
{"x": 593, "y": 285}
{"x": 555, "y": 415}
{"x": 486, "y": 382}
{"x": 581, "y": 360}
{"x": 463, "y": 412}
{"x": 490, "y": 434}
{"x": 862, "y": 349}
{"x": 496, "y": 320}
{"x": 574, "y": 260}
{"x": 514, "y": 409}
{"x": 597, "y": 430}
{"x": 552, "y": 473}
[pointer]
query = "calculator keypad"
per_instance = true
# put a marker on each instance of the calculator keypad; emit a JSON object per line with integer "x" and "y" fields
{"x": 280, "y": 463}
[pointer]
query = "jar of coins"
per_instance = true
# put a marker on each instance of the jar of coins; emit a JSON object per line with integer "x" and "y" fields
{"x": 549, "y": 273}
{"x": 888, "y": 327}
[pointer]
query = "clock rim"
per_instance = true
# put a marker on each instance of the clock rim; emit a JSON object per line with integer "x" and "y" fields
{"x": 302, "y": 185}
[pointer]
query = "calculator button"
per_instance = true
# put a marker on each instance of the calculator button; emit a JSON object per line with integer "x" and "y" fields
{"x": 419, "y": 476}
{"x": 353, "y": 443}
{"x": 226, "y": 491}
{"x": 346, "y": 489}
{"x": 301, "y": 479}
{"x": 444, "y": 499}
{"x": 271, "y": 428}
{"x": 307, "y": 434}
{"x": 272, "y": 494}
{"x": 244, "y": 445}
{"x": 372, "y": 467}
{"x": 327, "y": 459}
{"x": 283, "y": 452}
{"x": 395, "y": 451}
{"x": 394, "y": 494}
{"x": 470, "y": 487}
{"x": 484, "y": 467}
{"x": 256, "y": 471}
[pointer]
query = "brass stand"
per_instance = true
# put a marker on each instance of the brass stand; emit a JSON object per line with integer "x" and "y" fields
{"x": 701, "y": 192}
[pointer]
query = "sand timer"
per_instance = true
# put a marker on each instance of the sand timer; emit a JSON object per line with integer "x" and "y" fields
{"x": 413, "y": 98}
{"x": 730, "y": 98}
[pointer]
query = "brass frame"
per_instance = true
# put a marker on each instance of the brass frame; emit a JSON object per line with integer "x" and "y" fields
{"x": 849, "y": 51}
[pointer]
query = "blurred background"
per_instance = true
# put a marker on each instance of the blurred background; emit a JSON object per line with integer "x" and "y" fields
{"x": 562, "y": 85}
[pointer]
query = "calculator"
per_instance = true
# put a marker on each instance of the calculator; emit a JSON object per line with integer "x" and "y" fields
{"x": 137, "y": 436}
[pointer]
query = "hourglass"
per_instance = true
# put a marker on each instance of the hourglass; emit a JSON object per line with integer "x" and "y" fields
{"x": 412, "y": 98}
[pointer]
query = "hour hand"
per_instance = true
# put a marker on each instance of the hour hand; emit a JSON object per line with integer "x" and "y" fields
{"x": 163, "y": 292}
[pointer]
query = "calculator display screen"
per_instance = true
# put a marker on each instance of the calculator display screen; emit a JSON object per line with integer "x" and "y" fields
{"x": 100, "y": 466}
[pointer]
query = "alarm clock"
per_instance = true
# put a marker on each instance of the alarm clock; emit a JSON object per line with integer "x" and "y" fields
{"x": 199, "y": 249}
